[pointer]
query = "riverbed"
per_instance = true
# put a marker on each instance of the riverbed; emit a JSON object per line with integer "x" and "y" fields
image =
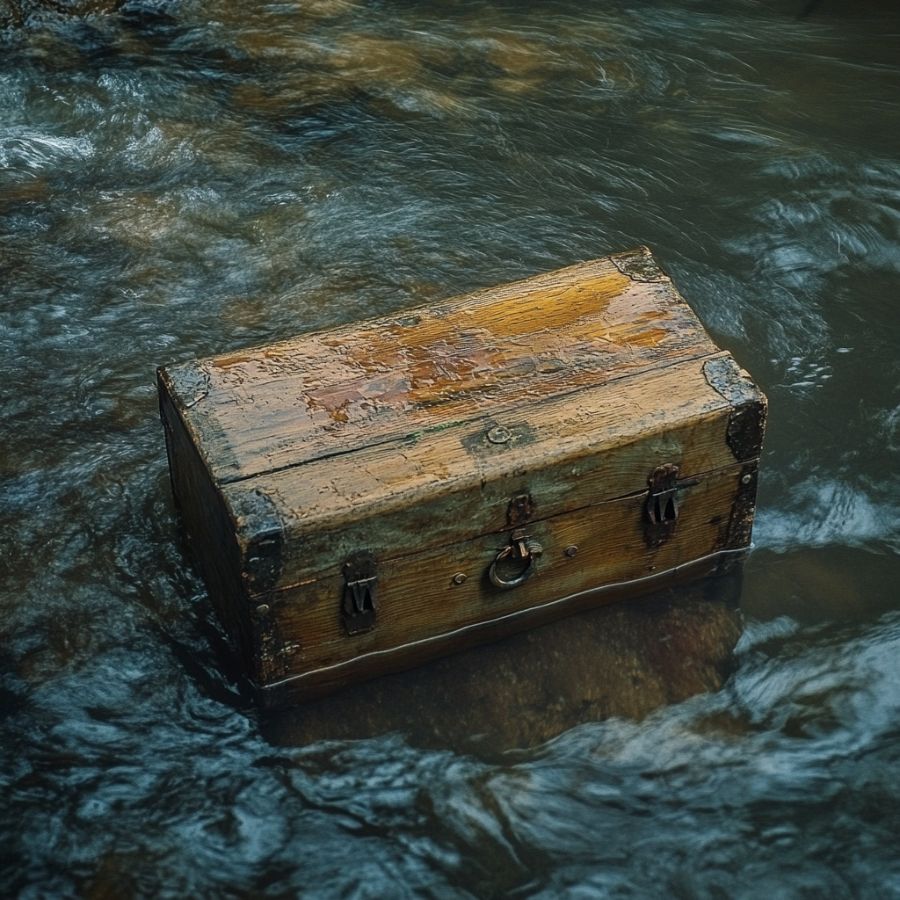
{"x": 184, "y": 179}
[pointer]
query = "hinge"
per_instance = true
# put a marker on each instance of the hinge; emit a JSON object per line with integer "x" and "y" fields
{"x": 359, "y": 604}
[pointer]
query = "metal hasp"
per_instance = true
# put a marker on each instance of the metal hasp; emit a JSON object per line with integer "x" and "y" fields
{"x": 521, "y": 548}
{"x": 520, "y": 510}
{"x": 359, "y": 604}
{"x": 661, "y": 508}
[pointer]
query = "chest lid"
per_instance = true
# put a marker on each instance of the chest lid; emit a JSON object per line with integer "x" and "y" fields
{"x": 468, "y": 398}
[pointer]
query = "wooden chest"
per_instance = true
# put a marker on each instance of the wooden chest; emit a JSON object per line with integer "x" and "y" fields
{"x": 363, "y": 499}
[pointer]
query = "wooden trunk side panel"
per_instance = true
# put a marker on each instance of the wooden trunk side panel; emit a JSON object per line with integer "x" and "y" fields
{"x": 418, "y": 598}
{"x": 454, "y": 484}
{"x": 209, "y": 529}
{"x": 360, "y": 385}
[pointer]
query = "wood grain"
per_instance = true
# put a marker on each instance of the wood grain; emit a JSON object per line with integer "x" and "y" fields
{"x": 454, "y": 484}
{"x": 575, "y": 663}
{"x": 419, "y": 599}
{"x": 322, "y": 394}
{"x": 409, "y": 436}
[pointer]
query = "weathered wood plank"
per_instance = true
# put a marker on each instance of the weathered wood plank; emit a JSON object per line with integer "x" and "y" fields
{"x": 626, "y": 659}
{"x": 289, "y": 403}
{"x": 424, "y": 439}
{"x": 420, "y": 600}
{"x": 574, "y": 451}
{"x": 209, "y": 528}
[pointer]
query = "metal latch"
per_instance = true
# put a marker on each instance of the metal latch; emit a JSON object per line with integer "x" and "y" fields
{"x": 661, "y": 509}
{"x": 359, "y": 604}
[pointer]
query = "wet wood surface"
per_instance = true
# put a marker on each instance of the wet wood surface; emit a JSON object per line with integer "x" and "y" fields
{"x": 565, "y": 453}
{"x": 338, "y": 391}
{"x": 419, "y": 601}
{"x": 410, "y": 437}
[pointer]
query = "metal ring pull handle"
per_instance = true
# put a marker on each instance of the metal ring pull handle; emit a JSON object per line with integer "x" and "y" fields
{"x": 526, "y": 549}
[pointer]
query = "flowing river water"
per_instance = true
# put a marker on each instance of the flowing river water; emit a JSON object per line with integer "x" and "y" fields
{"x": 183, "y": 179}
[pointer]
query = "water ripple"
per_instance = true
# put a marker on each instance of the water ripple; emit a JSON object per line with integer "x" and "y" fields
{"x": 184, "y": 179}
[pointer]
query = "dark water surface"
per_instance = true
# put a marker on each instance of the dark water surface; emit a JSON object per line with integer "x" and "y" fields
{"x": 181, "y": 180}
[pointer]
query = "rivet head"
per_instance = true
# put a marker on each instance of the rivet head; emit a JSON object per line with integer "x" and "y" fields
{"x": 746, "y": 479}
{"x": 571, "y": 550}
{"x": 459, "y": 577}
{"x": 262, "y": 609}
{"x": 499, "y": 434}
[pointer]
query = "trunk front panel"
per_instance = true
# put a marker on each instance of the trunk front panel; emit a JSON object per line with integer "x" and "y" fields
{"x": 422, "y": 595}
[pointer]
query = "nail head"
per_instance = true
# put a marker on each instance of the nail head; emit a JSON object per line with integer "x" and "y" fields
{"x": 499, "y": 434}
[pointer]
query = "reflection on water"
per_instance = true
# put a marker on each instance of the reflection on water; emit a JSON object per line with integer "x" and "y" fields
{"x": 181, "y": 179}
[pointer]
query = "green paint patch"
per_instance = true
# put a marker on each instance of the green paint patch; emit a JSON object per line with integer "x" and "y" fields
{"x": 442, "y": 426}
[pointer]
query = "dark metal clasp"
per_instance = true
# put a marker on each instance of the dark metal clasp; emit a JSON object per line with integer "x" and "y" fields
{"x": 662, "y": 502}
{"x": 661, "y": 509}
{"x": 359, "y": 604}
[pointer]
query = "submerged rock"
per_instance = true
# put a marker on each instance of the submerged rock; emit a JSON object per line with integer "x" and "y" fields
{"x": 625, "y": 660}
